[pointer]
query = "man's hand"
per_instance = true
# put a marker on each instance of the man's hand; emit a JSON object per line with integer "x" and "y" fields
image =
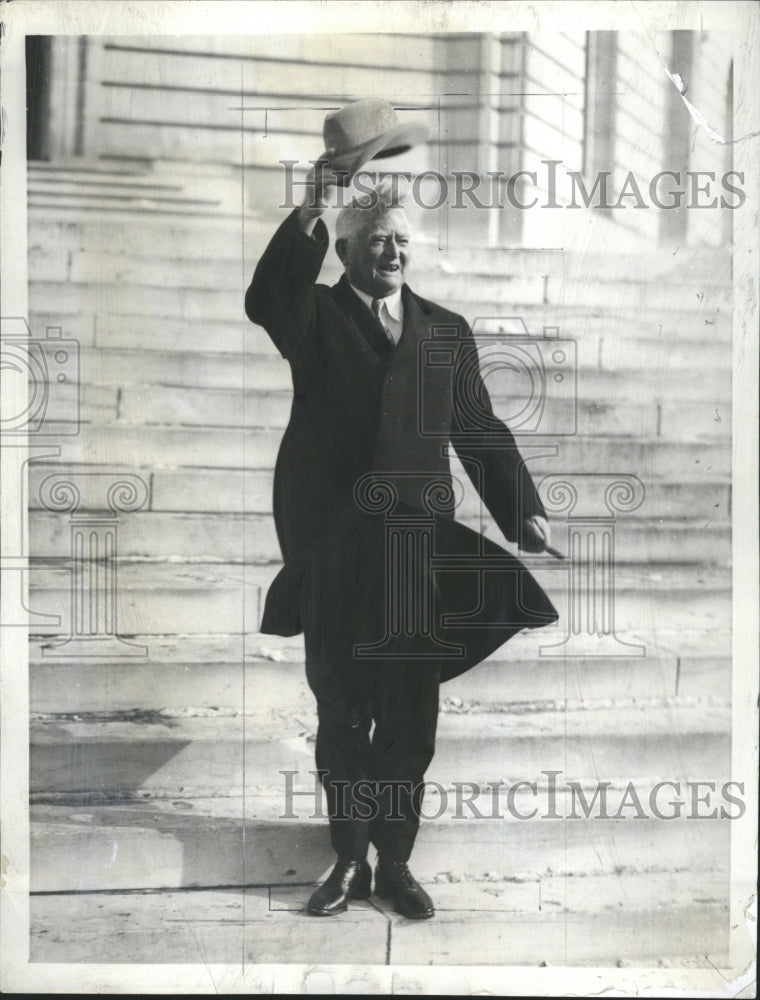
{"x": 320, "y": 179}
{"x": 535, "y": 534}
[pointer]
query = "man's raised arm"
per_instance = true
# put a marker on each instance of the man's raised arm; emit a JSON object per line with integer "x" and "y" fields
{"x": 280, "y": 296}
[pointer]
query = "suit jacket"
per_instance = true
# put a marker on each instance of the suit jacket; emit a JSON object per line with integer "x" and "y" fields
{"x": 361, "y": 406}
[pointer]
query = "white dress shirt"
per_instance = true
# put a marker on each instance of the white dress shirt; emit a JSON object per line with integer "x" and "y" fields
{"x": 391, "y": 310}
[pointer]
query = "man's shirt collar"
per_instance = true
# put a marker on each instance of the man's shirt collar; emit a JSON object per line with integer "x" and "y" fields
{"x": 391, "y": 302}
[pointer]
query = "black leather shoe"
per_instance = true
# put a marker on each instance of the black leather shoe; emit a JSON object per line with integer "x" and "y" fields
{"x": 347, "y": 880}
{"x": 393, "y": 880}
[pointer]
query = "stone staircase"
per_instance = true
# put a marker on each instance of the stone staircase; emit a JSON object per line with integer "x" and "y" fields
{"x": 164, "y": 770}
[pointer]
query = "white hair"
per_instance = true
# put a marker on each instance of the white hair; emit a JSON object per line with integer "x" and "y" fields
{"x": 375, "y": 200}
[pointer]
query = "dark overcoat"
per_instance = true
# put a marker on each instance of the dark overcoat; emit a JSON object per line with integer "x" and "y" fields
{"x": 364, "y": 408}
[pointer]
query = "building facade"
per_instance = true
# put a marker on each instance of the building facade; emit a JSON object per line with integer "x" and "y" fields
{"x": 531, "y": 127}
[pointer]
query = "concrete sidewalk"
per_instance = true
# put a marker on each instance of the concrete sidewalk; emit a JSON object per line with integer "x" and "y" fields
{"x": 657, "y": 920}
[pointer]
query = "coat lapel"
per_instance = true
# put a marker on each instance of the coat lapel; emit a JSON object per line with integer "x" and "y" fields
{"x": 416, "y": 323}
{"x": 416, "y": 328}
{"x": 361, "y": 318}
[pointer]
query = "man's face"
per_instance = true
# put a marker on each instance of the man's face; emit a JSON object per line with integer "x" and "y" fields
{"x": 376, "y": 257}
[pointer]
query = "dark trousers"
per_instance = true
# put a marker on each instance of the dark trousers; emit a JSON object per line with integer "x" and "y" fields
{"x": 373, "y": 779}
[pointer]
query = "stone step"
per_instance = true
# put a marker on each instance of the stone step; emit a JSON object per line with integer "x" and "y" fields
{"x": 220, "y": 755}
{"x": 126, "y": 229}
{"x": 606, "y": 343}
{"x": 151, "y": 301}
{"x": 163, "y": 338}
{"x": 86, "y": 167}
{"x": 563, "y": 290}
{"x": 674, "y": 420}
{"x": 75, "y": 193}
{"x": 522, "y": 297}
{"x": 158, "y": 302}
{"x": 614, "y": 323}
{"x": 132, "y": 206}
{"x": 153, "y": 448}
{"x": 703, "y": 363}
{"x": 74, "y": 176}
{"x": 458, "y": 280}
{"x": 214, "y": 598}
{"x": 170, "y": 351}
{"x": 221, "y": 926}
{"x": 261, "y": 370}
{"x": 117, "y": 165}
{"x": 607, "y": 323}
{"x": 167, "y": 845}
{"x": 115, "y": 236}
{"x": 239, "y": 491}
{"x": 623, "y": 354}
{"x": 137, "y": 261}
{"x": 220, "y": 610}
{"x": 193, "y": 673}
{"x": 184, "y": 843}
{"x": 227, "y": 537}
{"x": 655, "y": 414}
{"x": 110, "y": 174}
{"x": 562, "y": 921}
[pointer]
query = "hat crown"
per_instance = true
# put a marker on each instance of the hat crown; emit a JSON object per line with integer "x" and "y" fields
{"x": 357, "y": 124}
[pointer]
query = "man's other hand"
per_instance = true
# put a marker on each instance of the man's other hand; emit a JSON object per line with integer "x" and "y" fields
{"x": 535, "y": 534}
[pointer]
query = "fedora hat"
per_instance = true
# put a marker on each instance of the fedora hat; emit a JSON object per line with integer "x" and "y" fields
{"x": 368, "y": 130}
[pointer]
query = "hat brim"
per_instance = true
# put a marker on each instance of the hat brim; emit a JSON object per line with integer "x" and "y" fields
{"x": 395, "y": 141}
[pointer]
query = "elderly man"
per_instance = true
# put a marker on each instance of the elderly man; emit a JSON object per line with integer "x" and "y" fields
{"x": 358, "y": 389}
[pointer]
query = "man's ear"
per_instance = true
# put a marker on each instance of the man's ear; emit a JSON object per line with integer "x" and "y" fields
{"x": 341, "y": 248}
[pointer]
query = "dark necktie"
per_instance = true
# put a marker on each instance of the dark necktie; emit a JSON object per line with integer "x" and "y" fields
{"x": 376, "y": 311}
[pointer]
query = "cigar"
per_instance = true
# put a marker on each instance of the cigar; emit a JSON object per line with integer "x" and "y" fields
{"x": 555, "y": 552}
